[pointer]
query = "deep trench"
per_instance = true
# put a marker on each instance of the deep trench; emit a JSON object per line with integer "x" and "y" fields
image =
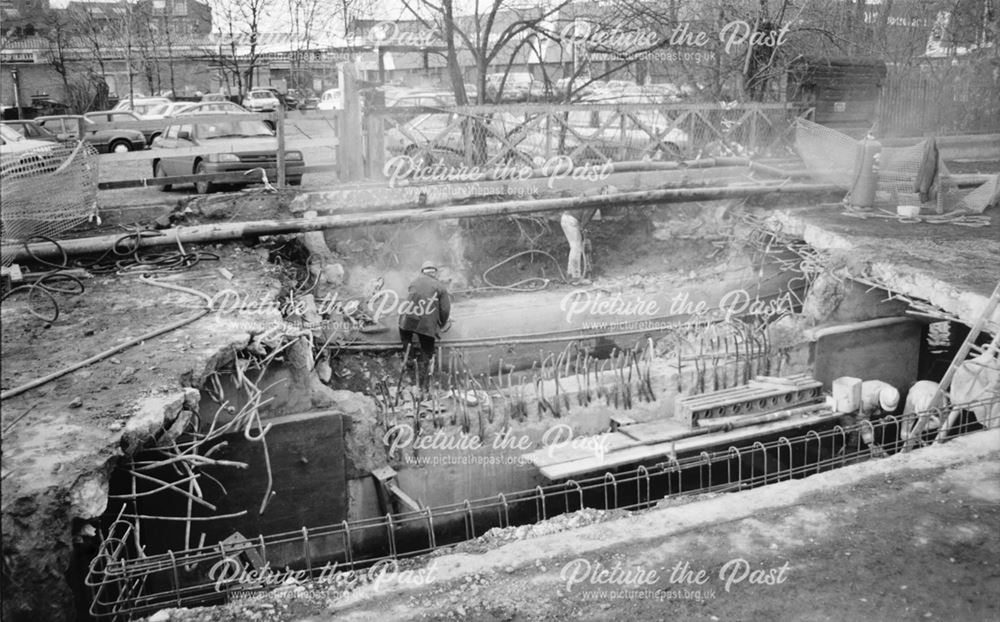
{"x": 938, "y": 344}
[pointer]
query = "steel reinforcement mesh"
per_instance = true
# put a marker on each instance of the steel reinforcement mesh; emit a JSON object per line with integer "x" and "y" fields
{"x": 46, "y": 192}
{"x": 126, "y": 583}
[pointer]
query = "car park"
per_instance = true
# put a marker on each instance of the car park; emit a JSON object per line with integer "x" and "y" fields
{"x": 239, "y": 145}
{"x": 214, "y": 97}
{"x": 103, "y": 138}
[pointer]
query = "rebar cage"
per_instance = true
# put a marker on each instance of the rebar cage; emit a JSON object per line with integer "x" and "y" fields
{"x": 127, "y": 583}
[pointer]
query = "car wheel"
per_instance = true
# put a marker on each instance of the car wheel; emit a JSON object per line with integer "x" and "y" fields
{"x": 159, "y": 172}
{"x": 202, "y": 187}
{"x": 120, "y": 146}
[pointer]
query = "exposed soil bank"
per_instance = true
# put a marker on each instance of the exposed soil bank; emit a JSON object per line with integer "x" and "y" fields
{"x": 57, "y": 458}
{"x": 910, "y": 537}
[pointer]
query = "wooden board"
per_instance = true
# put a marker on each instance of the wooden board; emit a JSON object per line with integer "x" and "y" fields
{"x": 655, "y": 431}
{"x": 580, "y": 448}
{"x": 647, "y": 453}
{"x": 307, "y": 466}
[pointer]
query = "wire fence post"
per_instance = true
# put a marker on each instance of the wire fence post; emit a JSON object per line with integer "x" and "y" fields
{"x": 281, "y": 146}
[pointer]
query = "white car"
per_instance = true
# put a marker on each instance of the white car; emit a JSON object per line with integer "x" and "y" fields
{"x": 165, "y": 111}
{"x": 21, "y": 157}
{"x": 331, "y": 100}
{"x": 140, "y": 105}
{"x": 261, "y": 100}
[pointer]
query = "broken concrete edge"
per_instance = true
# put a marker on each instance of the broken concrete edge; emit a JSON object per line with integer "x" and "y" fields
{"x": 664, "y": 523}
{"x": 967, "y": 306}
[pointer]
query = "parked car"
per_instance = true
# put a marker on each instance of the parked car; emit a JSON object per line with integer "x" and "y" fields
{"x": 140, "y": 105}
{"x": 214, "y": 107}
{"x": 165, "y": 111}
{"x": 113, "y": 116}
{"x": 31, "y": 129}
{"x": 214, "y": 97}
{"x": 517, "y": 87}
{"x": 150, "y": 130}
{"x": 103, "y": 138}
{"x": 306, "y": 98}
{"x": 242, "y": 145}
{"x": 438, "y": 137}
{"x": 331, "y": 100}
{"x": 261, "y": 100}
{"x": 288, "y": 100}
{"x": 427, "y": 99}
{"x": 590, "y": 136}
{"x": 22, "y": 157}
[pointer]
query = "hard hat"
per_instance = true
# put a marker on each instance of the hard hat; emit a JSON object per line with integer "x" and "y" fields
{"x": 888, "y": 399}
{"x": 428, "y": 265}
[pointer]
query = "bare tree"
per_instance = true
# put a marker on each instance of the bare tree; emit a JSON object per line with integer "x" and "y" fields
{"x": 57, "y": 36}
{"x": 237, "y": 52}
{"x": 307, "y": 17}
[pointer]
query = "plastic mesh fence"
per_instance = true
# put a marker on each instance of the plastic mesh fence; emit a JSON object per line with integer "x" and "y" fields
{"x": 913, "y": 175}
{"x": 46, "y": 192}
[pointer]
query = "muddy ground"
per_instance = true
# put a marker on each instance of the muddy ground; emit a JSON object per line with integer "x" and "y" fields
{"x": 912, "y": 537}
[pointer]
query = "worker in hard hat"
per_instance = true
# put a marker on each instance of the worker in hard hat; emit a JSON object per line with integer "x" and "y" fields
{"x": 878, "y": 399}
{"x": 425, "y": 312}
{"x": 917, "y": 413}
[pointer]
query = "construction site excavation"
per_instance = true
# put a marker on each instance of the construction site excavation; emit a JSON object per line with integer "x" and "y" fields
{"x": 426, "y": 391}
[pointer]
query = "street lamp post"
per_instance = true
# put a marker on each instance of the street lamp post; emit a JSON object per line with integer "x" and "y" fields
{"x": 16, "y": 76}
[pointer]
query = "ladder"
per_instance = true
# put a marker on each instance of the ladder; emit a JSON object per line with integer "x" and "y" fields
{"x": 969, "y": 345}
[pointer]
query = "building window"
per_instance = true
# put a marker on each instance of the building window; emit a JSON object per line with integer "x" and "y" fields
{"x": 180, "y": 7}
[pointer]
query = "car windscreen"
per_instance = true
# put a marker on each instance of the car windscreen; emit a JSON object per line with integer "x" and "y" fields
{"x": 159, "y": 110}
{"x": 261, "y": 95}
{"x": 233, "y": 129}
{"x": 9, "y": 134}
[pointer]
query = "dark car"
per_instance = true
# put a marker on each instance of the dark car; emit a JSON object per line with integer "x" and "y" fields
{"x": 104, "y": 139}
{"x": 239, "y": 145}
{"x": 150, "y": 128}
{"x": 305, "y": 97}
{"x": 32, "y": 130}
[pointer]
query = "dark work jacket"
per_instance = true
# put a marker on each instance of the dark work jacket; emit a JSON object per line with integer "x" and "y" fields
{"x": 428, "y": 306}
